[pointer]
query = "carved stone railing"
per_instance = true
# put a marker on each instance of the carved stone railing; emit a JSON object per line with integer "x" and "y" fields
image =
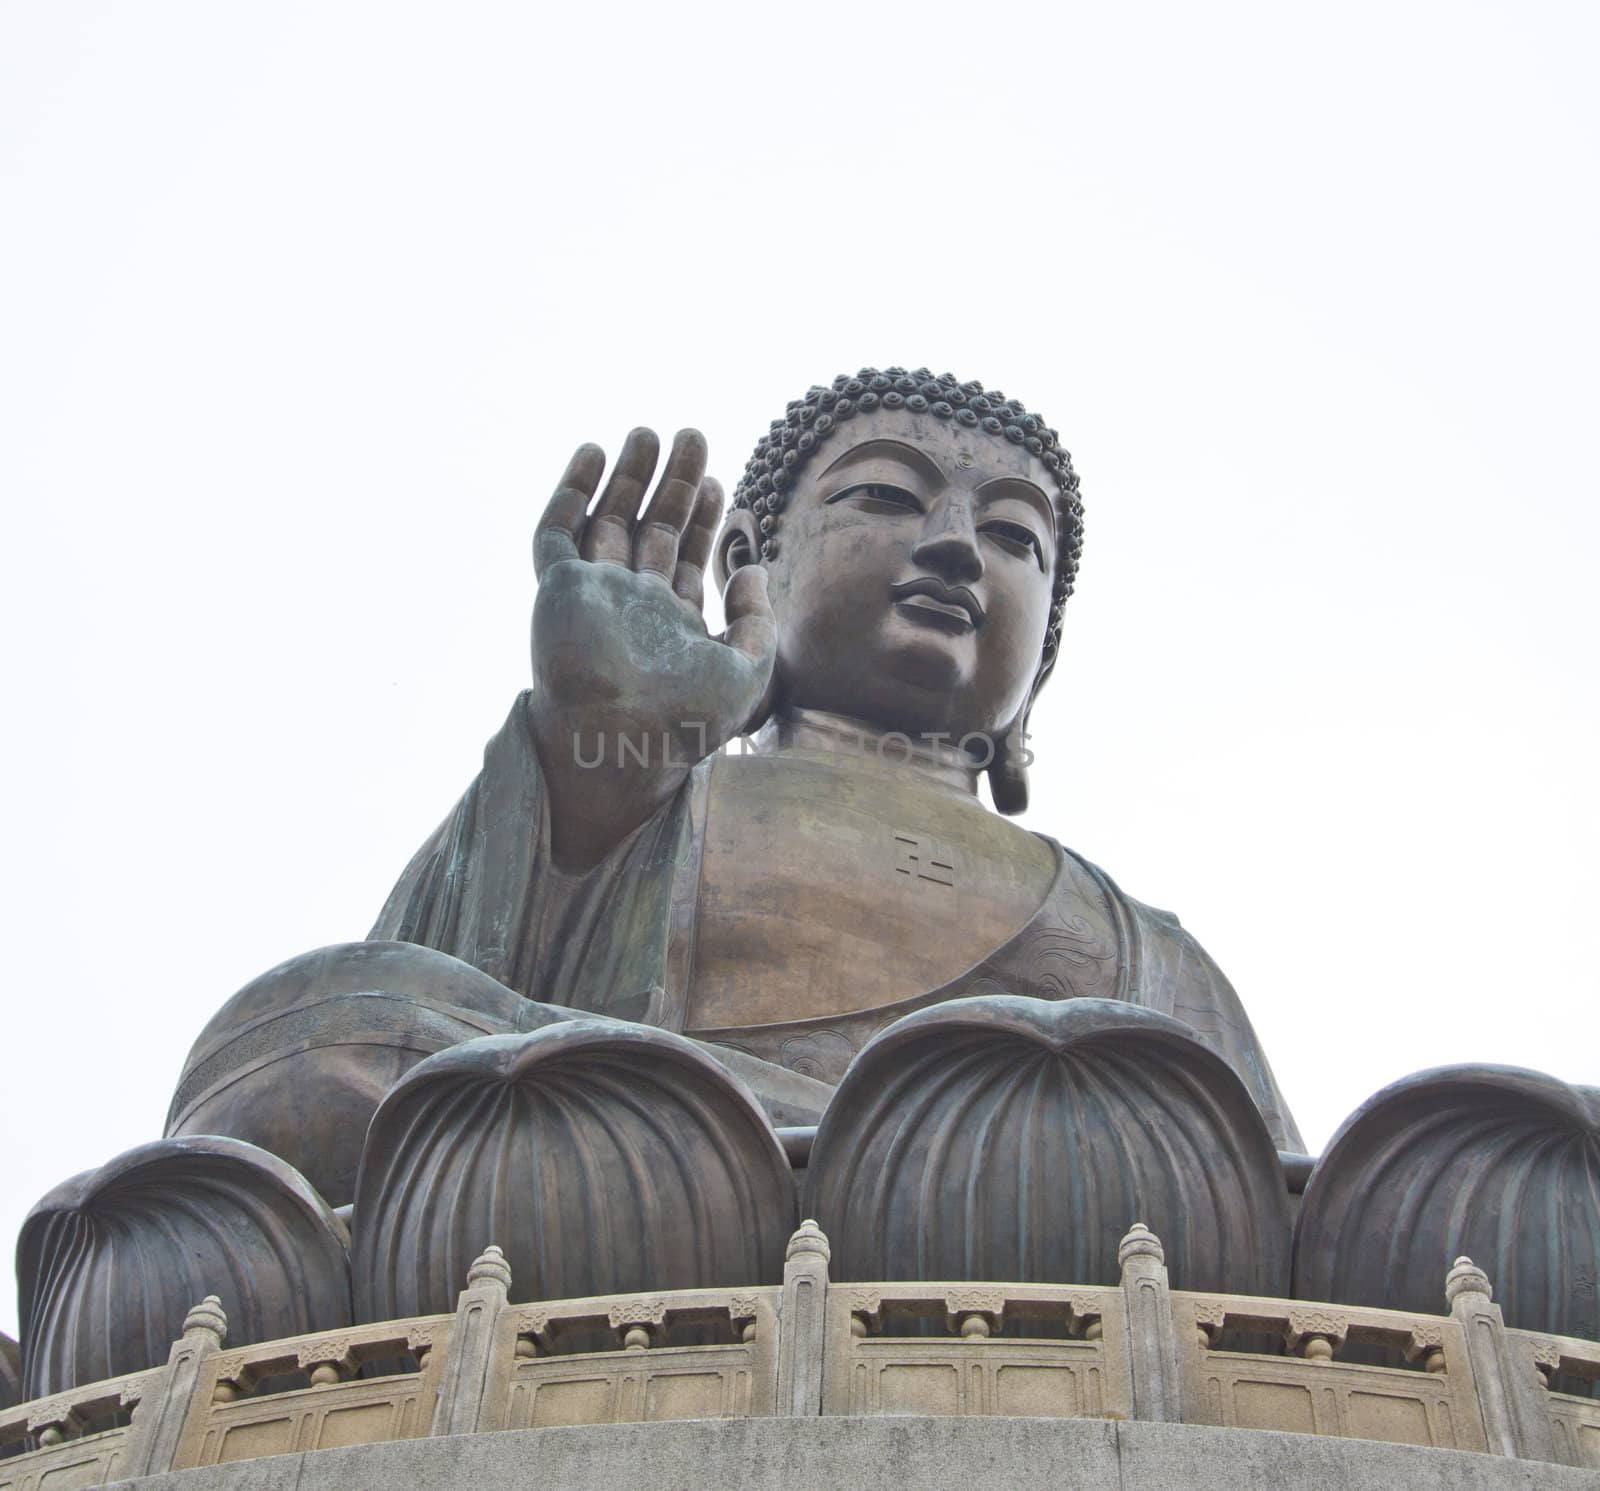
{"x": 1137, "y": 1350}
{"x": 1574, "y": 1418}
{"x": 80, "y": 1437}
{"x": 1073, "y": 1363}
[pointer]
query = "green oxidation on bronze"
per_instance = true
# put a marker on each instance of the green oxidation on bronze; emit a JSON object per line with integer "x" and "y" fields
{"x": 10, "y": 1372}
{"x": 111, "y": 1262}
{"x": 604, "y": 1157}
{"x": 1497, "y": 1163}
{"x": 789, "y": 902}
{"x": 710, "y": 887}
{"x": 999, "y": 1138}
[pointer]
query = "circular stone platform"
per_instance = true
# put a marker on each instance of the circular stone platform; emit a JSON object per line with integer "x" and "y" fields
{"x": 843, "y": 1454}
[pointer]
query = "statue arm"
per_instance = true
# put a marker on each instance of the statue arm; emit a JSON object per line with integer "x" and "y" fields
{"x": 469, "y": 890}
{"x": 484, "y": 889}
{"x": 629, "y": 692}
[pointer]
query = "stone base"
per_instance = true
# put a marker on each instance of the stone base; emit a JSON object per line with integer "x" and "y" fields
{"x": 872, "y": 1454}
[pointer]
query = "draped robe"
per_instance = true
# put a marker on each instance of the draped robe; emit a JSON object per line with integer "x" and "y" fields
{"x": 615, "y": 938}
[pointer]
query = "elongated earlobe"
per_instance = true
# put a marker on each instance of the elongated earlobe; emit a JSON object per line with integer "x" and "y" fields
{"x": 1008, "y": 772}
{"x": 738, "y": 544}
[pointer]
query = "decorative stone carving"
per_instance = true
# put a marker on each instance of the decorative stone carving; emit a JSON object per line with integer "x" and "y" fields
{"x": 1511, "y": 1391}
{"x": 50, "y": 1413}
{"x": 233, "y": 1369}
{"x": 974, "y": 1318}
{"x": 606, "y": 1158}
{"x": 1491, "y": 1161}
{"x": 334, "y": 1354}
{"x": 299, "y": 1059}
{"x": 808, "y": 1238}
{"x": 110, "y": 1262}
{"x": 1012, "y": 1138}
{"x": 490, "y": 1267}
{"x": 1315, "y": 1334}
{"x": 1546, "y": 1357}
{"x": 1153, "y": 1361}
{"x": 210, "y": 1319}
{"x": 975, "y": 1301}
{"x": 1210, "y": 1318}
{"x": 467, "y": 1403}
{"x": 1140, "y": 1242}
{"x": 638, "y": 1312}
{"x": 156, "y": 1439}
{"x": 1465, "y": 1277}
{"x": 866, "y": 1308}
{"x": 803, "y": 1316}
{"x": 533, "y": 1322}
{"x": 1425, "y": 1344}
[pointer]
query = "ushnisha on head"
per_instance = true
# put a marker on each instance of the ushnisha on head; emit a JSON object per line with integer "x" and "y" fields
{"x": 921, "y": 537}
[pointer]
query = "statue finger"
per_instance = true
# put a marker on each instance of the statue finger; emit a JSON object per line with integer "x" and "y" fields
{"x": 751, "y": 627}
{"x": 672, "y": 502}
{"x": 688, "y": 580}
{"x": 608, "y": 538}
{"x": 562, "y": 522}
{"x": 656, "y": 536}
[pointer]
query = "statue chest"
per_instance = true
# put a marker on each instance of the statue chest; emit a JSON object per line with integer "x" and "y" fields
{"x": 829, "y": 889}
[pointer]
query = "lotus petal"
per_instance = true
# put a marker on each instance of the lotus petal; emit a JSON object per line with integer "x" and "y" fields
{"x": 1018, "y": 1139}
{"x": 602, "y": 1157}
{"x": 111, "y": 1261}
{"x": 10, "y": 1372}
{"x": 1497, "y": 1163}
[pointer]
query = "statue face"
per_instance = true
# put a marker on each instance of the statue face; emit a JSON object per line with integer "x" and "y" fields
{"x": 913, "y": 576}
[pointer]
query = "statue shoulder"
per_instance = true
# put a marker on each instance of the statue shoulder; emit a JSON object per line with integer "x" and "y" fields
{"x": 1168, "y": 970}
{"x": 1082, "y": 869}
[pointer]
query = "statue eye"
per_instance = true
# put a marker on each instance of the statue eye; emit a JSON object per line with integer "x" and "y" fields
{"x": 1017, "y": 539}
{"x": 877, "y": 496}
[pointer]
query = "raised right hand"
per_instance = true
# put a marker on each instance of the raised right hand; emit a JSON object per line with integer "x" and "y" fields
{"x": 620, "y": 647}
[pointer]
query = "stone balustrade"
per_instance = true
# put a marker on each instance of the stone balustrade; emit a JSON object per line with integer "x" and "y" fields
{"x": 1138, "y": 1350}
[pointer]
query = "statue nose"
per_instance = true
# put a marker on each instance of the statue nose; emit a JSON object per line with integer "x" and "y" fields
{"x": 949, "y": 544}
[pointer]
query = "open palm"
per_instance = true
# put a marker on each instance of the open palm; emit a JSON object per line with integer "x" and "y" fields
{"x": 629, "y": 687}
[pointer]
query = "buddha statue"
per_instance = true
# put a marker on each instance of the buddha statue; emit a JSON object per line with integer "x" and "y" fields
{"x": 723, "y": 935}
{"x": 772, "y": 840}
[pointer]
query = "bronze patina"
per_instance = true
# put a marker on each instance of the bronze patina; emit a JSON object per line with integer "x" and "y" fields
{"x": 882, "y": 658}
{"x": 723, "y": 928}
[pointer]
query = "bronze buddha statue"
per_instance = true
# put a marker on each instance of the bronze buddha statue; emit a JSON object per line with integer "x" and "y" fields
{"x": 894, "y": 568}
{"x": 723, "y": 922}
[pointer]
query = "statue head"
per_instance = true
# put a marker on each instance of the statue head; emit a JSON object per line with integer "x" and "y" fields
{"x": 921, "y": 537}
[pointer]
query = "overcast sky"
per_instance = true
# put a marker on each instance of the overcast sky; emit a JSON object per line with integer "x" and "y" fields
{"x": 305, "y": 306}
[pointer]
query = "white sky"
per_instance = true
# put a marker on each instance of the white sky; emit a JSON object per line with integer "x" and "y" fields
{"x": 303, "y": 307}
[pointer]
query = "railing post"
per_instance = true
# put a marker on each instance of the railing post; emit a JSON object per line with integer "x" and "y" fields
{"x": 1516, "y": 1421}
{"x": 466, "y": 1384}
{"x": 1152, "y": 1339}
{"x": 802, "y": 1322}
{"x": 157, "y": 1430}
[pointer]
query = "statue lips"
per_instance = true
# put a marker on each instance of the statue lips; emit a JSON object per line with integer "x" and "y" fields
{"x": 953, "y": 607}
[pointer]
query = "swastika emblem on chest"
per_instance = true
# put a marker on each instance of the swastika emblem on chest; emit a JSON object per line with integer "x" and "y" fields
{"x": 924, "y": 859}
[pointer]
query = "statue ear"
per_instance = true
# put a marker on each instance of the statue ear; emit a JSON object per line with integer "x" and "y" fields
{"x": 738, "y": 544}
{"x": 1008, "y": 771}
